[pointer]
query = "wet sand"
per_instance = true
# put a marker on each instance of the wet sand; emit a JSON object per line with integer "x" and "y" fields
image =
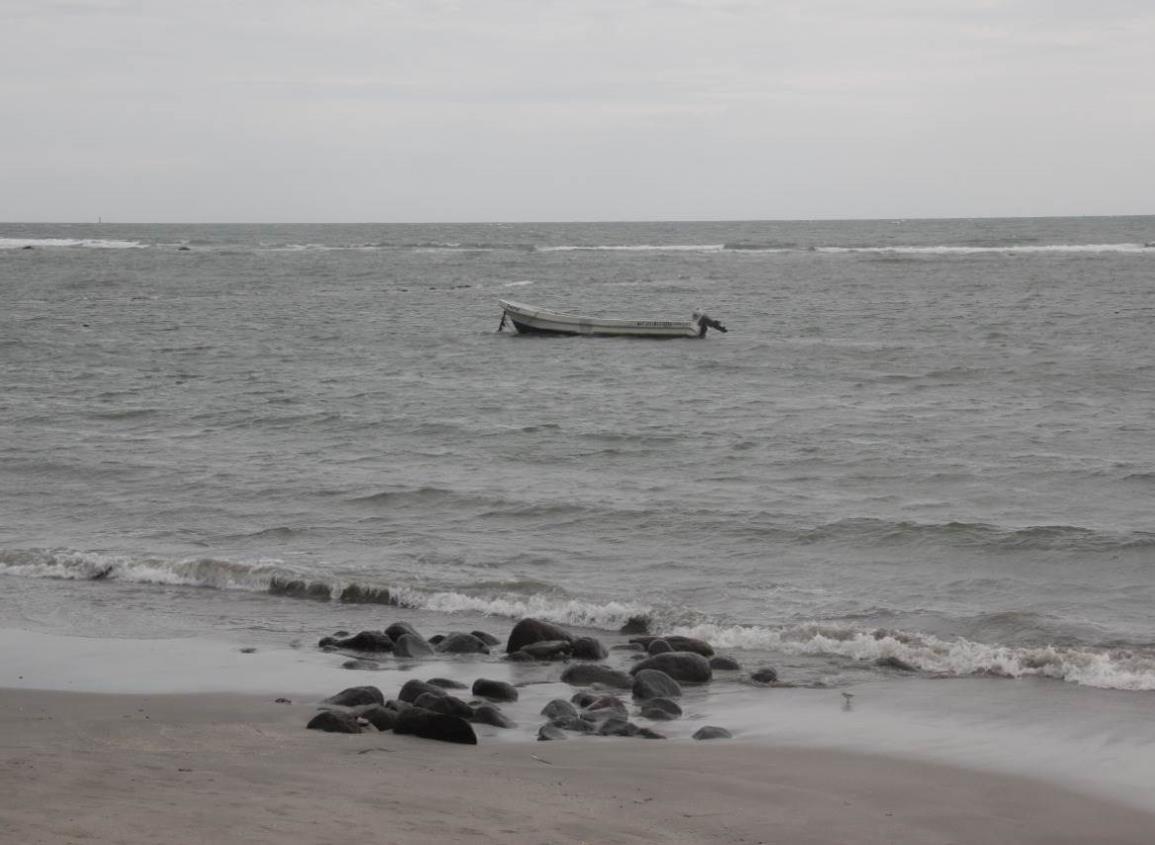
{"x": 229, "y": 768}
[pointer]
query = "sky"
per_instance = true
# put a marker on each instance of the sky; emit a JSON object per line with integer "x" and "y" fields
{"x": 551, "y": 110}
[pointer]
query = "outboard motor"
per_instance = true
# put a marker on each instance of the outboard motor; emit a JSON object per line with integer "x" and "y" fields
{"x": 705, "y": 321}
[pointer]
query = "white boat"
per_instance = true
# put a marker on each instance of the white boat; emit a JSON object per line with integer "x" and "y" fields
{"x": 529, "y": 319}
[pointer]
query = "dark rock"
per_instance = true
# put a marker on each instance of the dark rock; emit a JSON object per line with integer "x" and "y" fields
{"x": 895, "y": 663}
{"x": 765, "y": 675}
{"x": 550, "y": 733}
{"x": 414, "y": 688}
{"x": 397, "y": 706}
{"x": 340, "y": 634}
{"x": 691, "y": 644}
{"x": 686, "y": 667}
{"x": 616, "y": 726}
{"x": 436, "y": 639}
{"x": 410, "y": 646}
{"x": 660, "y": 710}
{"x": 636, "y": 625}
{"x": 587, "y": 648}
{"x": 575, "y": 724}
{"x": 520, "y": 657}
{"x": 488, "y": 639}
{"x": 358, "y": 663}
{"x": 447, "y": 704}
{"x": 397, "y": 629}
{"x": 658, "y": 646}
{"x": 606, "y": 707}
{"x": 366, "y": 641}
{"x": 489, "y": 714}
{"x": 647, "y": 733}
{"x": 248, "y": 650}
{"x": 379, "y": 717}
{"x": 460, "y": 643}
{"x": 712, "y": 732}
{"x": 446, "y": 683}
{"x": 529, "y": 631}
{"x": 334, "y": 721}
{"x": 297, "y": 589}
{"x": 725, "y": 664}
{"x": 428, "y": 725}
{"x": 548, "y": 649}
{"x": 494, "y": 690}
{"x": 585, "y": 674}
{"x": 583, "y": 699}
{"x": 355, "y": 594}
{"x": 654, "y": 683}
{"x": 355, "y": 696}
{"x": 559, "y": 708}
{"x": 282, "y": 701}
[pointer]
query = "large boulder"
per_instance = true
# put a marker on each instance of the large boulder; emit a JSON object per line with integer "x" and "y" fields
{"x": 414, "y": 688}
{"x": 356, "y": 696}
{"x": 765, "y": 675}
{"x": 461, "y": 643}
{"x": 335, "y": 721}
{"x": 658, "y": 646}
{"x": 586, "y": 674}
{"x": 408, "y": 645}
{"x": 616, "y": 726}
{"x": 534, "y": 631}
{"x": 494, "y": 690}
{"x": 686, "y": 667}
{"x": 654, "y": 683}
{"x": 428, "y": 725}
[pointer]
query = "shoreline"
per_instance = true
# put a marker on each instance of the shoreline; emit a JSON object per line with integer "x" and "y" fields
{"x": 1094, "y": 742}
{"x": 221, "y": 767}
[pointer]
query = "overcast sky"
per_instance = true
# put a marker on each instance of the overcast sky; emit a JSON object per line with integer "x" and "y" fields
{"x": 456, "y": 110}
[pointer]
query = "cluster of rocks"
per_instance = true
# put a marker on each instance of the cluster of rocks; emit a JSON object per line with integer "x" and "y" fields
{"x": 429, "y": 709}
{"x": 403, "y": 640}
{"x": 426, "y": 709}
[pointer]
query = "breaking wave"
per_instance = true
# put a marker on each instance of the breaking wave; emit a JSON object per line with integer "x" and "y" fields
{"x": 90, "y": 243}
{"x": 1123, "y": 667}
{"x": 1118, "y": 668}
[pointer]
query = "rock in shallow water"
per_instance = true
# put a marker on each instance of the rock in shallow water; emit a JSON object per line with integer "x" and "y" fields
{"x": 334, "y": 721}
{"x": 712, "y": 732}
{"x": 654, "y": 683}
{"x": 414, "y": 689}
{"x": 529, "y": 631}
{"x": 585, "y": 674}
{"x": 494, "y": 690}
{"x": 684, "y": 666}
{"x": 356, "y": 696}
{"x": 408, "y": 645}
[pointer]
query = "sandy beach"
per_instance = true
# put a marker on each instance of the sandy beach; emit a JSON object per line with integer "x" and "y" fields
{"x": 84, "y": 767}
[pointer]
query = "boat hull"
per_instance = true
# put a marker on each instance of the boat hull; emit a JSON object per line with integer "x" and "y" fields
{"x": 530, "y": 320}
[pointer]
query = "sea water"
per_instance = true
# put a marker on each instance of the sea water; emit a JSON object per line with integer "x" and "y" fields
{"x": 922, "y": 440}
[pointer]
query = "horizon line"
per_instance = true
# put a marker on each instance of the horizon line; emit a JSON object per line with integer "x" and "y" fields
{"x": 576, "y": 221}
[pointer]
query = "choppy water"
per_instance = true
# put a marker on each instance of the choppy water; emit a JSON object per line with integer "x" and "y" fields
{"x": 922, "y": 439}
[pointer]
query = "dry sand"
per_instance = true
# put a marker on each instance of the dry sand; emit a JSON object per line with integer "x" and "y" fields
{"x": 78, "y": 767}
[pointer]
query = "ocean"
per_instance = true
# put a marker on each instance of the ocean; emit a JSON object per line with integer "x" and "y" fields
{"x": 924, "y": 443}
